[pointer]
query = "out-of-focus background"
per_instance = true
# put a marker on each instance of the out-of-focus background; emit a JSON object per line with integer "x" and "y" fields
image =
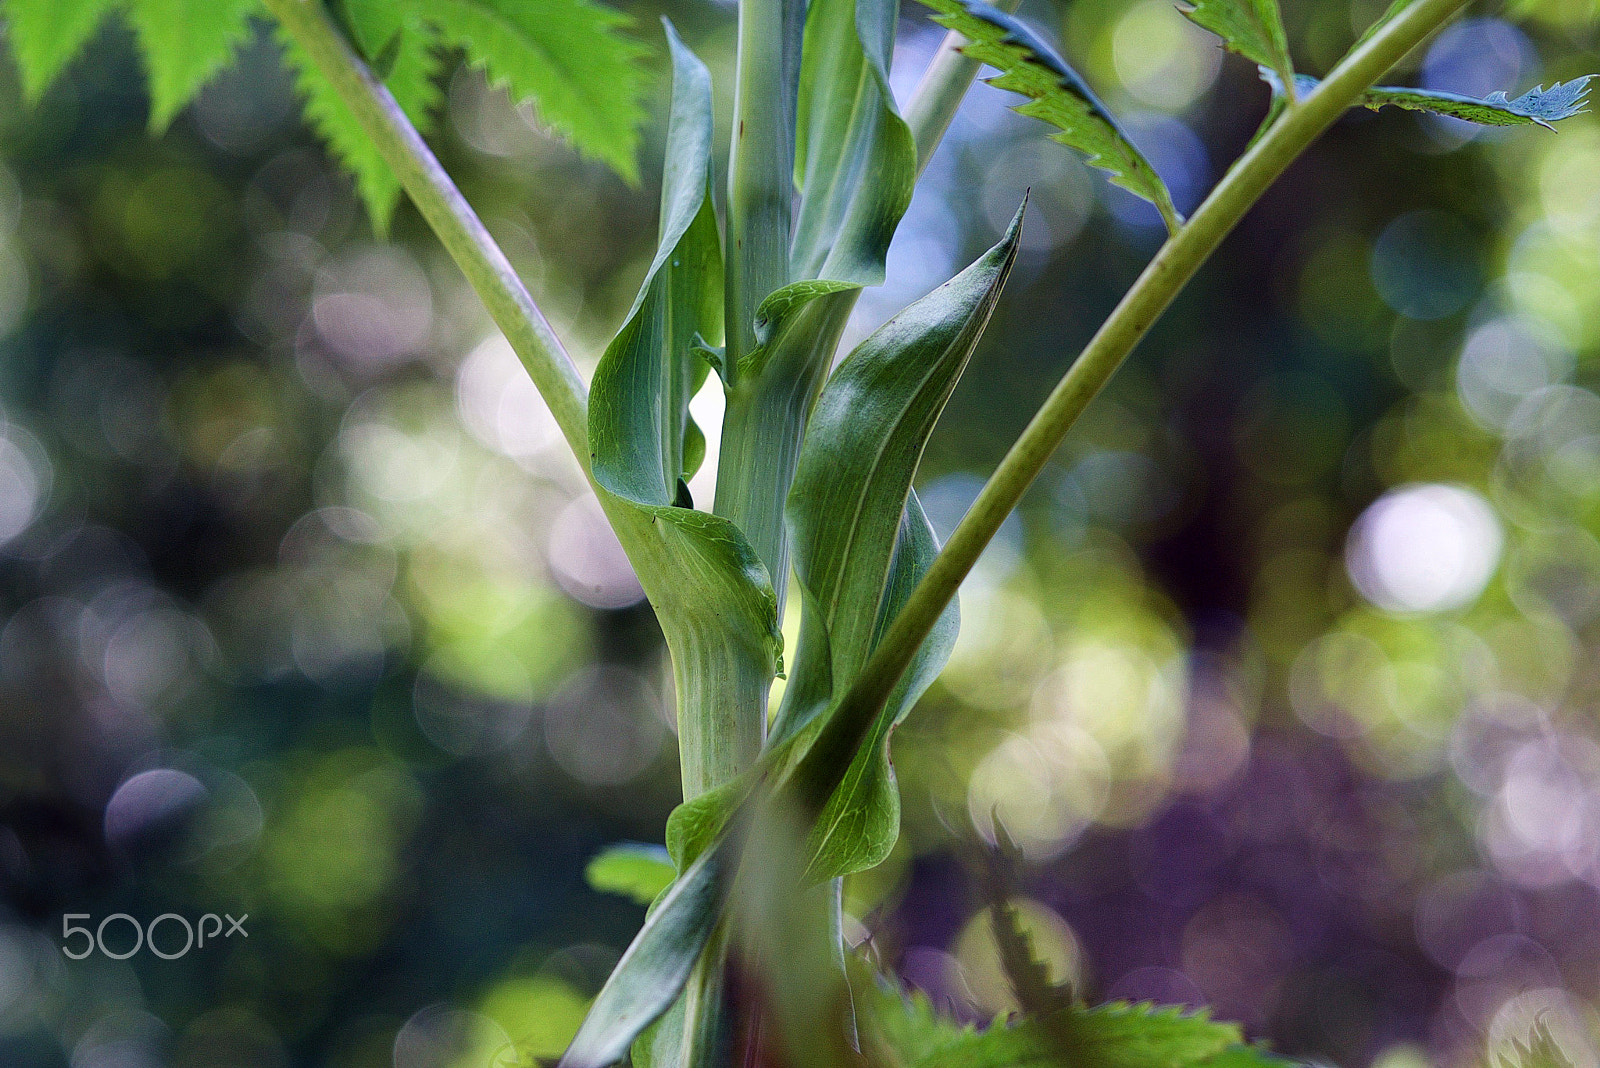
{"x": 1283, "y": 678}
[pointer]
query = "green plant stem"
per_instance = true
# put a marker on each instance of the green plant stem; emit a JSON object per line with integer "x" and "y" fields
{"x": 750, "y": 485}
{"x": 1166, "y": 274}
{"x": 760, "y": 166}
{"x": 939, "y": 94}
{"x": 459, "y": 229}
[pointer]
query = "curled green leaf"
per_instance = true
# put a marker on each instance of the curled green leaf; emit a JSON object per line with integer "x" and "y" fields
{"x": 862, "y": 543}
{"x": 710, "y": 591}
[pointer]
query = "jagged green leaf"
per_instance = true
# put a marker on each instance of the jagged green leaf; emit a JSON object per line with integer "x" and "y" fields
{"x": 634, "y": 870}
{"x": 855, "y": 161}
{"x": 862, "y": 544}
{"x": 1056, "y": 95}
{"x": 1252, "y": 28}
{"x": 1115, "y": 1035}
{"x": 185, "y": 43}
{"x": 656, "y": 965}
{"x": 412, "y": 80}
{"x": 45, "y": 35}
{"x": 568, "y": 56}
{"x": 1538, "y": 106}
{"x": 402, "y": 49}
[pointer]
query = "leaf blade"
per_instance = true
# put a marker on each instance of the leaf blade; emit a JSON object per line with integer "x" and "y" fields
{"x": 1252, "y": 28}
{"x": 861, "y": 545}
{"x": 860, "y": 822}
{"x": 185, "y": 43}
{"x": 46, "y": 35}
{"x": 1057, "y": 94}
{"x": 639, "y": 411}
{"x": 1538, "y": 106}
{"x": 567, "y": 56}
{"x": 856, "y": 163}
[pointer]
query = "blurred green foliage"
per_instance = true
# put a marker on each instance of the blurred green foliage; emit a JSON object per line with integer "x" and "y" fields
{"x": 1282, "y": 679}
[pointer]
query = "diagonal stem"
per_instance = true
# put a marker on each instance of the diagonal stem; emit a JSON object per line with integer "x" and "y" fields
{"x": 1173, "y": 266}
{"x": 459, "y": 229}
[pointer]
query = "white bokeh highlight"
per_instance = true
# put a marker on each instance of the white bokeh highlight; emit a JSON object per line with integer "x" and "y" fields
{"x": 1424, "y": 548}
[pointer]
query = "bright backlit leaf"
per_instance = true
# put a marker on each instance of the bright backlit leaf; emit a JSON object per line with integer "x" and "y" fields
{"x": 46, "y": 34}
{"x": 567, "y": 56}
{"x": 634, "y": 870}
{"x": 185, "y": 43}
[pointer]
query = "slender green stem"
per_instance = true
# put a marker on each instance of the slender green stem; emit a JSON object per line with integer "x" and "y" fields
{"x": 1162, "y": 279}
{"x": 939, "y": 94}
{"x": 459, "y": 229}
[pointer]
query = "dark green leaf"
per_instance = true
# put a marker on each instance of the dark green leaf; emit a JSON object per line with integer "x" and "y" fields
{"x": 710, "y": 591}
{"x": 639, "y": 413}
{"x": 1057, "y": 95}
{"x": 413, "y": 79}
{"x": 1252, "y": 28}
{"x": 860, "y": 823}
{"x": 862, "y": 544}
{"x": 633, "y": 870}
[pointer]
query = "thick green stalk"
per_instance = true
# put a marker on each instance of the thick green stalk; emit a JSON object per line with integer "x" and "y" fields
{"x": 760, "y": 165}
{"x": 765, "y": 419}
{"x": 750, "y": 483}
{"x": 1160, "y": 282}
{"x": 459, "y": 229}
